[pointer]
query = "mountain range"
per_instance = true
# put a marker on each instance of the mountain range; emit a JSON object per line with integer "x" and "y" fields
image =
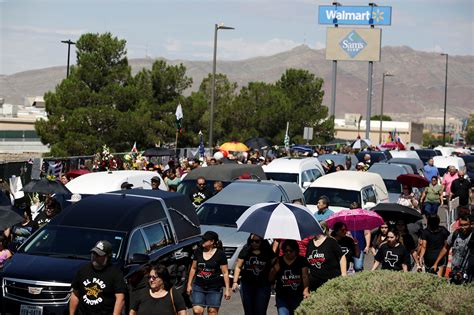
{"x": 414, "y": 92}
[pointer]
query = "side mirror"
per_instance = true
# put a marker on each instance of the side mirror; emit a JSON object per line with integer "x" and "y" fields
{"x": 369, "y": 205}
{"x": 139, "y": 259}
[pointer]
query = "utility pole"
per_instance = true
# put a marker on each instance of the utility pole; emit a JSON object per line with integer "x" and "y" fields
{"x": 69, "y": 43}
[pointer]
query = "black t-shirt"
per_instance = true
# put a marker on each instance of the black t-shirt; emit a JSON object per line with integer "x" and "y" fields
{"x": 143, "y": 303}
{"x": 199, "y": 196}
{"x": 324, "y": 260}
{"x": 408, "y": 242}
{"x": 208, "y": 272}
{"x": 255, "y": 268}
{"x": 392, "y": 258}
{"x": 434, "y": 243}
{"x": 20, "y": 233}
{"x": 42, "y": 219}
{"x": 460, "y": 188}
{"x": 289, "y": 279}
{"x": 348, "y": 248}
{"x": 96, "y": 289}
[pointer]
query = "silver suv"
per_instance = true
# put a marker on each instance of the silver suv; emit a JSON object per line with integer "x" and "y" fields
{"x": 220, "y": 212}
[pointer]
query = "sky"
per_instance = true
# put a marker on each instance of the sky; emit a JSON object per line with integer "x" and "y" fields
{"x": 31, "y": 30}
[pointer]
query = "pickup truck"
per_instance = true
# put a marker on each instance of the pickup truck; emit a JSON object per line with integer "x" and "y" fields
{"x": 143, "y": 226}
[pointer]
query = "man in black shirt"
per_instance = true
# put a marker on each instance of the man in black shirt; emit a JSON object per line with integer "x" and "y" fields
{"x": 98, "y": 287}
{"x": 200, "y": 193}
{"x": 461, "y": 188}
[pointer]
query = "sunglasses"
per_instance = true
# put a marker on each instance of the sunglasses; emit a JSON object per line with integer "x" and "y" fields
{"x": 201, "y": 184}
{"x": 152, "y": 278}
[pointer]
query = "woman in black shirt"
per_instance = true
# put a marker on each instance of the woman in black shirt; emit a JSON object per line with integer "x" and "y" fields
{"x": 253, "y": 266}
{"x": 210, "y": 273}
{"x": 432, "y": 241}
{"x": 349, "y": 246}
{"x": 291, "y": 274}
{"x": 392, "y": 254}
{"x": 160, "y": 298}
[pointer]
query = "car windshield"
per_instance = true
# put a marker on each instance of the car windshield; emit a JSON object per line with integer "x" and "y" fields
{"x": 220, "y": 214}
{"x": 186, "y": 186}
{"x": 337, "y": 197}
{"x": 284, "y": 177}
{"x": 393, "y": 186}
{"x": 72, "y": 242}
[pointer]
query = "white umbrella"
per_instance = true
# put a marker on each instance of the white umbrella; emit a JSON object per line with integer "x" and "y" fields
{"x": 279, "y": 220}
{"x": 361, "y": 143}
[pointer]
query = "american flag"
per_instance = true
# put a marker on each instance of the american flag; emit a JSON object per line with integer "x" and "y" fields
{"x": 55, "y": 168}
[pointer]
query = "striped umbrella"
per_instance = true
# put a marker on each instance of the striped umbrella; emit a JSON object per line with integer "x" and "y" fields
{"x": 279, "y": 220}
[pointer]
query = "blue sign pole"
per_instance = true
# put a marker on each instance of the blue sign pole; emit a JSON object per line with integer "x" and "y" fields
{"x": 355, "y": 15}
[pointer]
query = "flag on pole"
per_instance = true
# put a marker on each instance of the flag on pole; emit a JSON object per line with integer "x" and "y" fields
{"x": 201, "y": 145}
{"x": 179, "y": 118}
{"x": 287, "y": 137}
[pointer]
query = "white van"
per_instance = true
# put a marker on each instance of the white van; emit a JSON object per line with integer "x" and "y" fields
{"x": 344, "y": 187}
{"x": 302, "y": 171}
{"x": 101, "y": 182}
{"x": 442, "y": 163}
{"x": 405, "y": 154}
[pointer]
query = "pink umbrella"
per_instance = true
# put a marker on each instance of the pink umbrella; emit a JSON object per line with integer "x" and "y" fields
{"x": 356, "y": 219}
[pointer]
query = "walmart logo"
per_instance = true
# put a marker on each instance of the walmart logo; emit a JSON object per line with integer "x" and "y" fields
{"x": 377, "y": 16}
{"x": 352, "y": 44}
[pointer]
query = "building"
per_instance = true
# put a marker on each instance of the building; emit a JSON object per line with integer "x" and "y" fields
{"x": 353, "y": 126}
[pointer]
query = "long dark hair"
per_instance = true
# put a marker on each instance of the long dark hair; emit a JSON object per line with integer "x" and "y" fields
{"x": 264, "y": 247}
{"x": 212, "y": 236}
{"x": 162, "y": 273}
{"x": 293, "y": 245}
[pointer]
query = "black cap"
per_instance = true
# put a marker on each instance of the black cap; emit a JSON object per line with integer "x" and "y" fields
{"x": 155, "y": 179}
{"x": 102, "y": 248}
{"x": 126, "y": 185}
{"x": 210, "y": 236}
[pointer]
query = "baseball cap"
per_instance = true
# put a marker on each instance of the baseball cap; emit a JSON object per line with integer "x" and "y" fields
{"x": 155, "y": 179}
{"x": 102, "y": 248}
{"x": 210, "y": 236}
{"x": 126, "y": 185}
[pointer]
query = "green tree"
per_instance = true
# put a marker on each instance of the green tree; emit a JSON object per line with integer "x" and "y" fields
{"x": 305, "y": 92}
{"x": 469, "y": 137}
{"x": 384, "y": 117}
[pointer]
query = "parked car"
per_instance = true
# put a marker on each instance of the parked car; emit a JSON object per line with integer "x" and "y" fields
{"x": 389, "y": 174}
{"x": 220, "y": 212}
{"x": 469, "y": 162}
{"x": 143, "y": 226}
{"x": 375, "y": 156}
{"x": 426, "y": 154}
{"x": 415, "y": 164}
{"x": 101, "y": 182}
{"x": 226, "y": 173}
{"x": 302, "y": 171}
{"x": 339, "y": 159}
{"x": 445, "y": 151}
{"x": 442, "y": 163}
{"x": 344, "y": 187}
{"x": 405, "y": 154}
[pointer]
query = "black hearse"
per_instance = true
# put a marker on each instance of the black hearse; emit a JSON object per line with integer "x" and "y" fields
{"x": 143, "y": 226}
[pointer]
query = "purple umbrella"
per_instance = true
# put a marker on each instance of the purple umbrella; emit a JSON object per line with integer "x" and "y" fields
{"x": 356, "y": 219}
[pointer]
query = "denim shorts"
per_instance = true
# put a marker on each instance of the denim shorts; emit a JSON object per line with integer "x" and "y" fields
{"x": 206, "y": 297}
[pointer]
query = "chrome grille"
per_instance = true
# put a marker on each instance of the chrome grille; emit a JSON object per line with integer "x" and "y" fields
{"x": 229, "y": 251}
{"x": 36, "y": 292}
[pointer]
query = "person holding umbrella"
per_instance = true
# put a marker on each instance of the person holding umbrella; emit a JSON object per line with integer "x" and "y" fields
{"x": 349, "y": 246}
{"x": 291, "y": 274}
{"x": 253, "y": 266}
{"x": 325, "y": 258}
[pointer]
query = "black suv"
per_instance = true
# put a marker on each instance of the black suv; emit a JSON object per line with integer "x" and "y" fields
{"x": 143, "y": 226}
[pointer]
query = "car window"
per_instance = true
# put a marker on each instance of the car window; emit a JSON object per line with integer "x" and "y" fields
{"x": 307, "y": 176}
{"x": 337, "y": 197}
{"x": 155, "y": 235}
{"x": 137, "y": 244}
{"x": 220, "y": 214}
{"x": 368, "y": 195}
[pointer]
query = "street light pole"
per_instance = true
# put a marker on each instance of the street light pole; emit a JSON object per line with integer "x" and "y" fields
{"x": 213, "y": 83}
{"x": 385, "y": 74}
{"x": 445, "y": 98}
{"x": 69, "y": 43}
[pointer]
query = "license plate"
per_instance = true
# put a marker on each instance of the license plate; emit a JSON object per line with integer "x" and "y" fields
{"x": 31, "y": 310}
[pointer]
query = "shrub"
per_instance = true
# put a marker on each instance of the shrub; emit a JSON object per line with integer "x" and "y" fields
{"x": 389, "y": 292}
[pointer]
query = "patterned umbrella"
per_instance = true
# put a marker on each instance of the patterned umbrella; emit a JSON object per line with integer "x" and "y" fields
{"x": 279, "y": 220}
{"x": 356, "y": 219}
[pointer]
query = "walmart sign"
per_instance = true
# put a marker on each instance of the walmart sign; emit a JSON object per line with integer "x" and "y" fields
{"x": 355, "y": 15}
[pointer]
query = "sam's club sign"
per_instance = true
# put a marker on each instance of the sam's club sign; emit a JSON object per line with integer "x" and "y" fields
{"x": 355, "y": 15}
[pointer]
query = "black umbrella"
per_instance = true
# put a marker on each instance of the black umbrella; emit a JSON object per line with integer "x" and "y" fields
{"x": 8, "y": 217}
{"x": 395, "y": 212}
{"x": 46, "y": 186}
{"x": 158, "y": 152}
{"x": 258, "y": 143}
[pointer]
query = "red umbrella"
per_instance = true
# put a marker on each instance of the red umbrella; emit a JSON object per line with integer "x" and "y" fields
{"x": 413, "y": 180}
{"x": 76, "y": 173}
